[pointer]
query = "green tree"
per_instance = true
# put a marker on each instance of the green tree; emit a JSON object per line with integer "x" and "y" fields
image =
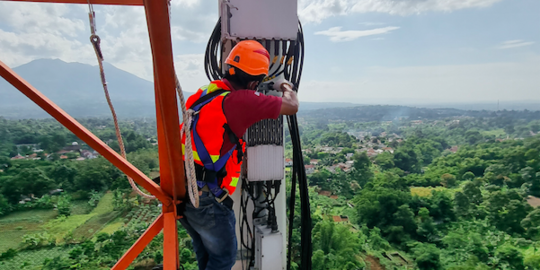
{"x": 472, "y": 191}
{"x": 186, "y": 255}
{"x": 531, "y": 223}
{"x": 462, "y": 204}
{"x": 473, "y": 136}
{"x": 64, "y": 206}
{"x": 26, "y": 182}
{"x": 506, "y": 210}
{"x": 63, "y": 174}
{"x": 427, "y": 256}
{"x": 335, "y": 246}
{"x": 385, "y": 160}
{"x": 510, "y": 257}
{"x": 362, "y": 166}
{"x": 468, "y": 176}
{"x": 5, "y": 207}
{"x": 406, "y": 159}
{"x": 448, "y": 180}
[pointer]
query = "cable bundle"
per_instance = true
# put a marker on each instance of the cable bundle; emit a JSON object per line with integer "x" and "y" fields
{"x": 293, "y": 73}
{"x": 287, "y": 58}
{"x": 212, "y": 64}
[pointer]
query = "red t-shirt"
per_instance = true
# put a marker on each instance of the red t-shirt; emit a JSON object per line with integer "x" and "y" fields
{"x": 243, "y": 108}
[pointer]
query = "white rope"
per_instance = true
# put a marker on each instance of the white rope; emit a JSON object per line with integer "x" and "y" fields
{"x": 95, "y": 40}
{"x": 191, "y": 178}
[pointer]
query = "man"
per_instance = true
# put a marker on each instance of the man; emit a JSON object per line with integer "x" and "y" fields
{"x": 226, "y": 109}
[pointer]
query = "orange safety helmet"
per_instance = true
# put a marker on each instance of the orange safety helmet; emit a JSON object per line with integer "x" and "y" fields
{"x": 250, "y": 57}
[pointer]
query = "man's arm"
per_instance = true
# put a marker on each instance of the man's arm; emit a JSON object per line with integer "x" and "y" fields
{"x": 289, "y": 101}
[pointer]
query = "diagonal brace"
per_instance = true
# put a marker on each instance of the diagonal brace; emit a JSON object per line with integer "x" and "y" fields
{"x": 84, "y": 134}
{"x": 141, "y": 243}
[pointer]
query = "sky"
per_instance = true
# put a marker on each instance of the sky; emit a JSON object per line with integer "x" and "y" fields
{"x": 361, "y": 51}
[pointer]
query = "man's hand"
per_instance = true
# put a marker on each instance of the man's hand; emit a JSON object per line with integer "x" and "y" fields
{"x": 289, "y": 101}
{"x": 279, "y": 82}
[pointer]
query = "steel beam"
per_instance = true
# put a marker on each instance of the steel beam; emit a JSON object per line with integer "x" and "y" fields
{"x": 139, "y": 246}
{"x": 97, "y": 2}
{"x": 169, "y": 145}
{"x": 170, "y": 242}
{"x": 84, "y": 134}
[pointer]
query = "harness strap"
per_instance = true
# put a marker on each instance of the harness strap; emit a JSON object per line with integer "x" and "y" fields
{"x": 205, "y": 99}
{"x": 211, "y": 170}
{"x": 236, "y": 141}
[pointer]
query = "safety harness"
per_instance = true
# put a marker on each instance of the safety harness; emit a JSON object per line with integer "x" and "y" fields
{"x": 212, "y": 171}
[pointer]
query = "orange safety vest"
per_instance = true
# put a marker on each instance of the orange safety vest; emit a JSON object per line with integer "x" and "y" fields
{"x": 208, "y": 131}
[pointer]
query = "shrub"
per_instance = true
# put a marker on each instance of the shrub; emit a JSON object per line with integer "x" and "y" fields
{"x": 94, "y": 198}
{"x": 56, "y": 263}
{"x": 532, "y": 262}
{"x": 45, "y": 202}
{"x": 64, "y": 206}
{"x": 37, "y": 240}
{"x": 5, "y": 207}
{"x": 10, "y": 253}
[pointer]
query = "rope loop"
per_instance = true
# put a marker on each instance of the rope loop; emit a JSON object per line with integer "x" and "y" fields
{"x": 187, "y": 116}
{"x": 95, "y": 40}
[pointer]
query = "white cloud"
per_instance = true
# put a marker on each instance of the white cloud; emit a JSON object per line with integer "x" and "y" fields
{"x": 41, "y": 31}
{"x": 314, "y": 11}
{"x": 336, "y": 35}
{"x": 31, "y": 31}
{"x": 185, "y": 3}
{"x": 514, "y": 44}
{"x": 124, "y": 39}
{"x": 190, "y": 71}
{"x": 183, "y": 33}
{"x": 42, "y": 18}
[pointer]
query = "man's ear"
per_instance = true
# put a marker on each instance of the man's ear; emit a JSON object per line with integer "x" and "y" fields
{"x": 253, "y": 85}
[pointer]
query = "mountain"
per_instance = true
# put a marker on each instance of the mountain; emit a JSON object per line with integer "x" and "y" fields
{"x": 77, "y": 89}
{"x": 367, "y": 113}
{"x": 309, "y": 106}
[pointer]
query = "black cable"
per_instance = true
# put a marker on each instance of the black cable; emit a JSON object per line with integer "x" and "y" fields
{"x": 293, "y": 74}
{"x": 292, "y": 52}
{"x": 244, "y": 199}
{"x": 212, "y": 64}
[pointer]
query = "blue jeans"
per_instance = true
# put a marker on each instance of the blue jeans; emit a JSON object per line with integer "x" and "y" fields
{"x": 212, "y": 230}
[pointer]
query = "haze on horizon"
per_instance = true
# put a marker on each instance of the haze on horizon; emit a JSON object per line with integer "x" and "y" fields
{"x": 367, "y": 52}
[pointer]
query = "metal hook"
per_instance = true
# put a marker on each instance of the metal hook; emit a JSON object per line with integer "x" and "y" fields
{"x": 95, "y": 40}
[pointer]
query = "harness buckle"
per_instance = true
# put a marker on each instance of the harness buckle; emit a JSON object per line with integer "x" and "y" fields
{"x": 223, "y": 195}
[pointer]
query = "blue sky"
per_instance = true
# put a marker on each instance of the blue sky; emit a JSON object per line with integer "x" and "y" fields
{"x": 364, "y": 51}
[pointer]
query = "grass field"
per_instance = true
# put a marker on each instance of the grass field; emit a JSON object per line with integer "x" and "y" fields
{"x": 113, "y": 226}
{"x": 33, "y": 259}
{"x": 84, "y": 225}
{"x": 425, "y": 191}
{"x": 14, "y": 226}
{"x": 81, "y": 207}
{"x": 498, "y": 133}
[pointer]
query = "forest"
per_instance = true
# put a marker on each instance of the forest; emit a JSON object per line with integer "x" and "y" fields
{"x": 457, "y": 191}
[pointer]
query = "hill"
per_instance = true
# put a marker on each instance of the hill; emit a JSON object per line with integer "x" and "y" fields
{"x": 76, "y": 88}
{"x": 391, "y": 112}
